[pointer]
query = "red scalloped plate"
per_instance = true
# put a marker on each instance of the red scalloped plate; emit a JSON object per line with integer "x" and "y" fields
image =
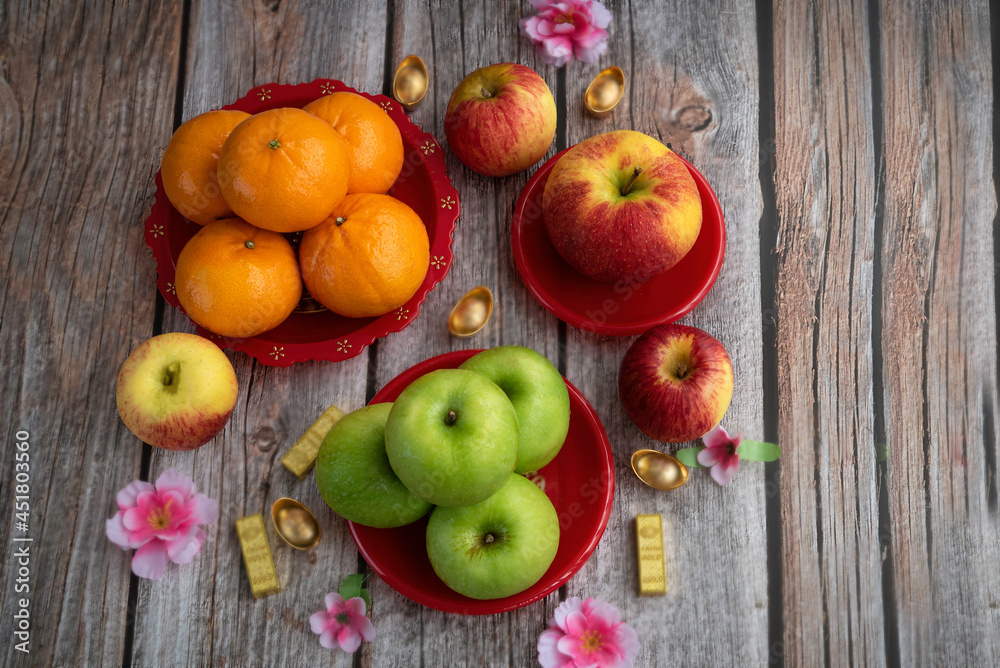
{"x": 423, "y": 184}
{"x": 607, "y": 308}
{"x": 580, "y": 482}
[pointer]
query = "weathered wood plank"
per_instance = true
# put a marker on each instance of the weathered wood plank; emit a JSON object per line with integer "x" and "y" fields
{"x": 231, "y": 48}
{"x": 85, "y": 95}
{"x": 455, "y": 39}
{"x": 825, "y": 188}
{"x": 679, "y": 56}
{"x": 939, "y": 331}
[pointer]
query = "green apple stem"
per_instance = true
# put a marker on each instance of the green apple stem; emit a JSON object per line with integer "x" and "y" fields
{"x": 489, "y": 538}
{"x": 172, "y": 370}
{"x": 628, "y": 185}
{"x": 452, "y": 416}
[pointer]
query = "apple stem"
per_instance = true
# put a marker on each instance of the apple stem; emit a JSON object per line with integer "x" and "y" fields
{"x": 628, "y": 186}
{"x": 484, "y": 92}
{"x": 682, "y": 369}
{"x": 452, "y": 416}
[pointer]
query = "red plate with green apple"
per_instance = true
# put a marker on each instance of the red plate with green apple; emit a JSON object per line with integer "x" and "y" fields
{"x": 580, "y": 482}
{"x": 615, "y": 309}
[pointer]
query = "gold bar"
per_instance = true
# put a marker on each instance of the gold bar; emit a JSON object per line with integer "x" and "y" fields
{"x": 257, "y": 556}
{"x": 652, "y": 565}
{"x": 302, "y": 457}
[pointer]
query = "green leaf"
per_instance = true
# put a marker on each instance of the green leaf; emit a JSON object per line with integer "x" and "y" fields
{"x": 757, "y": 451}
{"x": 367, "y": 599}
{"x": 350, "y": 587}
{"x": 689, "y": 457}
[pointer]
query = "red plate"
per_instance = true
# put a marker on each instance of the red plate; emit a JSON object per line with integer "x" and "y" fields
{"x": 580, "y": 482}
{"x": 423, "y": 184}
{"x": 607, "y": 308}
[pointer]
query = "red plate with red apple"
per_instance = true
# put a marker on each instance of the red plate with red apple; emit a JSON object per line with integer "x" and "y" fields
{"x": 580, "y": 483}
{"x": 618, "y": 309}
{"x": 312, "y": 332}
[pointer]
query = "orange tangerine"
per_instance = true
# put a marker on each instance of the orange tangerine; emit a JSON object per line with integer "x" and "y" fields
{"x": 190, "y": 161}
{"x": 368, "y": 258}
{"x": 373, "y": 140}
{"x": 284, "y": 170}
{"x": 237, "y": 280}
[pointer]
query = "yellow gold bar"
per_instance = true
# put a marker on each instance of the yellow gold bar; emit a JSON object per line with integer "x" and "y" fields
{"x": 652, "y": 566}
{"x": 302, "y": 457}
{"x": 257, "y": 556}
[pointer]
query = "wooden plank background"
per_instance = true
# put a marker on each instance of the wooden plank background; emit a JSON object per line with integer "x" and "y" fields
{"x": 851, "y": 147}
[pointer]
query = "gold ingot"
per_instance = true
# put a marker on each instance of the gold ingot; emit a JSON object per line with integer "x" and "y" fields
{"x": 301, "y": 458}
{"x": 605, "y": 92}
{"x": 295, "y": 524}
{"x": 649, "y": 552}
{"x": 658, "y": 469}
{"x": 257, "y": 556}
{"x": 472, "y": 312}
{"x": 409, "y": 85}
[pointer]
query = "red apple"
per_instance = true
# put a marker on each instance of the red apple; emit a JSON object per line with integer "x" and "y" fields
{"x": 176, "y": 391}
{"x": 676, "y": 383}
{"x": 621, "y": 207}
{"x": 501, "y": 119}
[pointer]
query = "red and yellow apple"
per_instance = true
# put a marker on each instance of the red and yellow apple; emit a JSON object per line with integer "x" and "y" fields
{"x": 176, "y": 391}
{"x": 621, "y": 207}
{"x": 676, "y": 383}
{"x": 501, "y": 119}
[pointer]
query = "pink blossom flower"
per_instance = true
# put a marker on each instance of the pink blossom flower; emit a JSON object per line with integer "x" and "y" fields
{"x": 162, "y": 521}
{"x": 342, "y": 623}
{"x": 564, "y": 29}
{"x": 587, "y": 634}
{"x": 720, "y": 454}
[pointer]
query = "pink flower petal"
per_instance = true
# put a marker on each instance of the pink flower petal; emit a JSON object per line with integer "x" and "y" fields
{"x": 150, "y": 560}
{"x": 134, "y": 519}
{"x": 709, "y": 456}
{"x": 529, "y": 27}
{"x": 548, "y": 651}
{"x": 317, "y": 621}
{"x": 328, "y": 639}
{"x": 355, "y": 606}
{"x": 602, "y": 615}
{"x": 569, "y": 645}
{"x": 148, "y": 502}
{"x": 349, "y": 639}
{"x": 591, "y": 55}
{"x": 184, "y": 549}
{"x": 203, "y": 509}
{"x": 116, "y": 531}
{"x": 724, "y": 471}
{"x": 577, "y": 623}
{"x": 627, "y": 640}
{"x": 571, "y": 604}
{"x": 366, "y": 629}
{"x": 172, "y": 480}
{"x": 600, "y": 16}
{"x": 127, "y": 496}
{"x": 334, "y": 603}
{"x": 716, "y": 438}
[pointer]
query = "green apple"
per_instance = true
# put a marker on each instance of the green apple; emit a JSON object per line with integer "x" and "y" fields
{"x": 539, "y": 396}
{"x": 452, "y": 437}
{"x": 498, "y": 547}
{"x": 354, "y": 476}
{"x": 176, "y": 391}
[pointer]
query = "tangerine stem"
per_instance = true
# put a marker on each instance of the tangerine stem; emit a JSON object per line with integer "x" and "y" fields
{"x": 274, "y": 144}
{"x": 340, "y": 220}
{"x": 248, "y": 243}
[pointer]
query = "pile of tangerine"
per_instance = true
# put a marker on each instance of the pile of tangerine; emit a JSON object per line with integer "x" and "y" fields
{"x": 323, "y": 171}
